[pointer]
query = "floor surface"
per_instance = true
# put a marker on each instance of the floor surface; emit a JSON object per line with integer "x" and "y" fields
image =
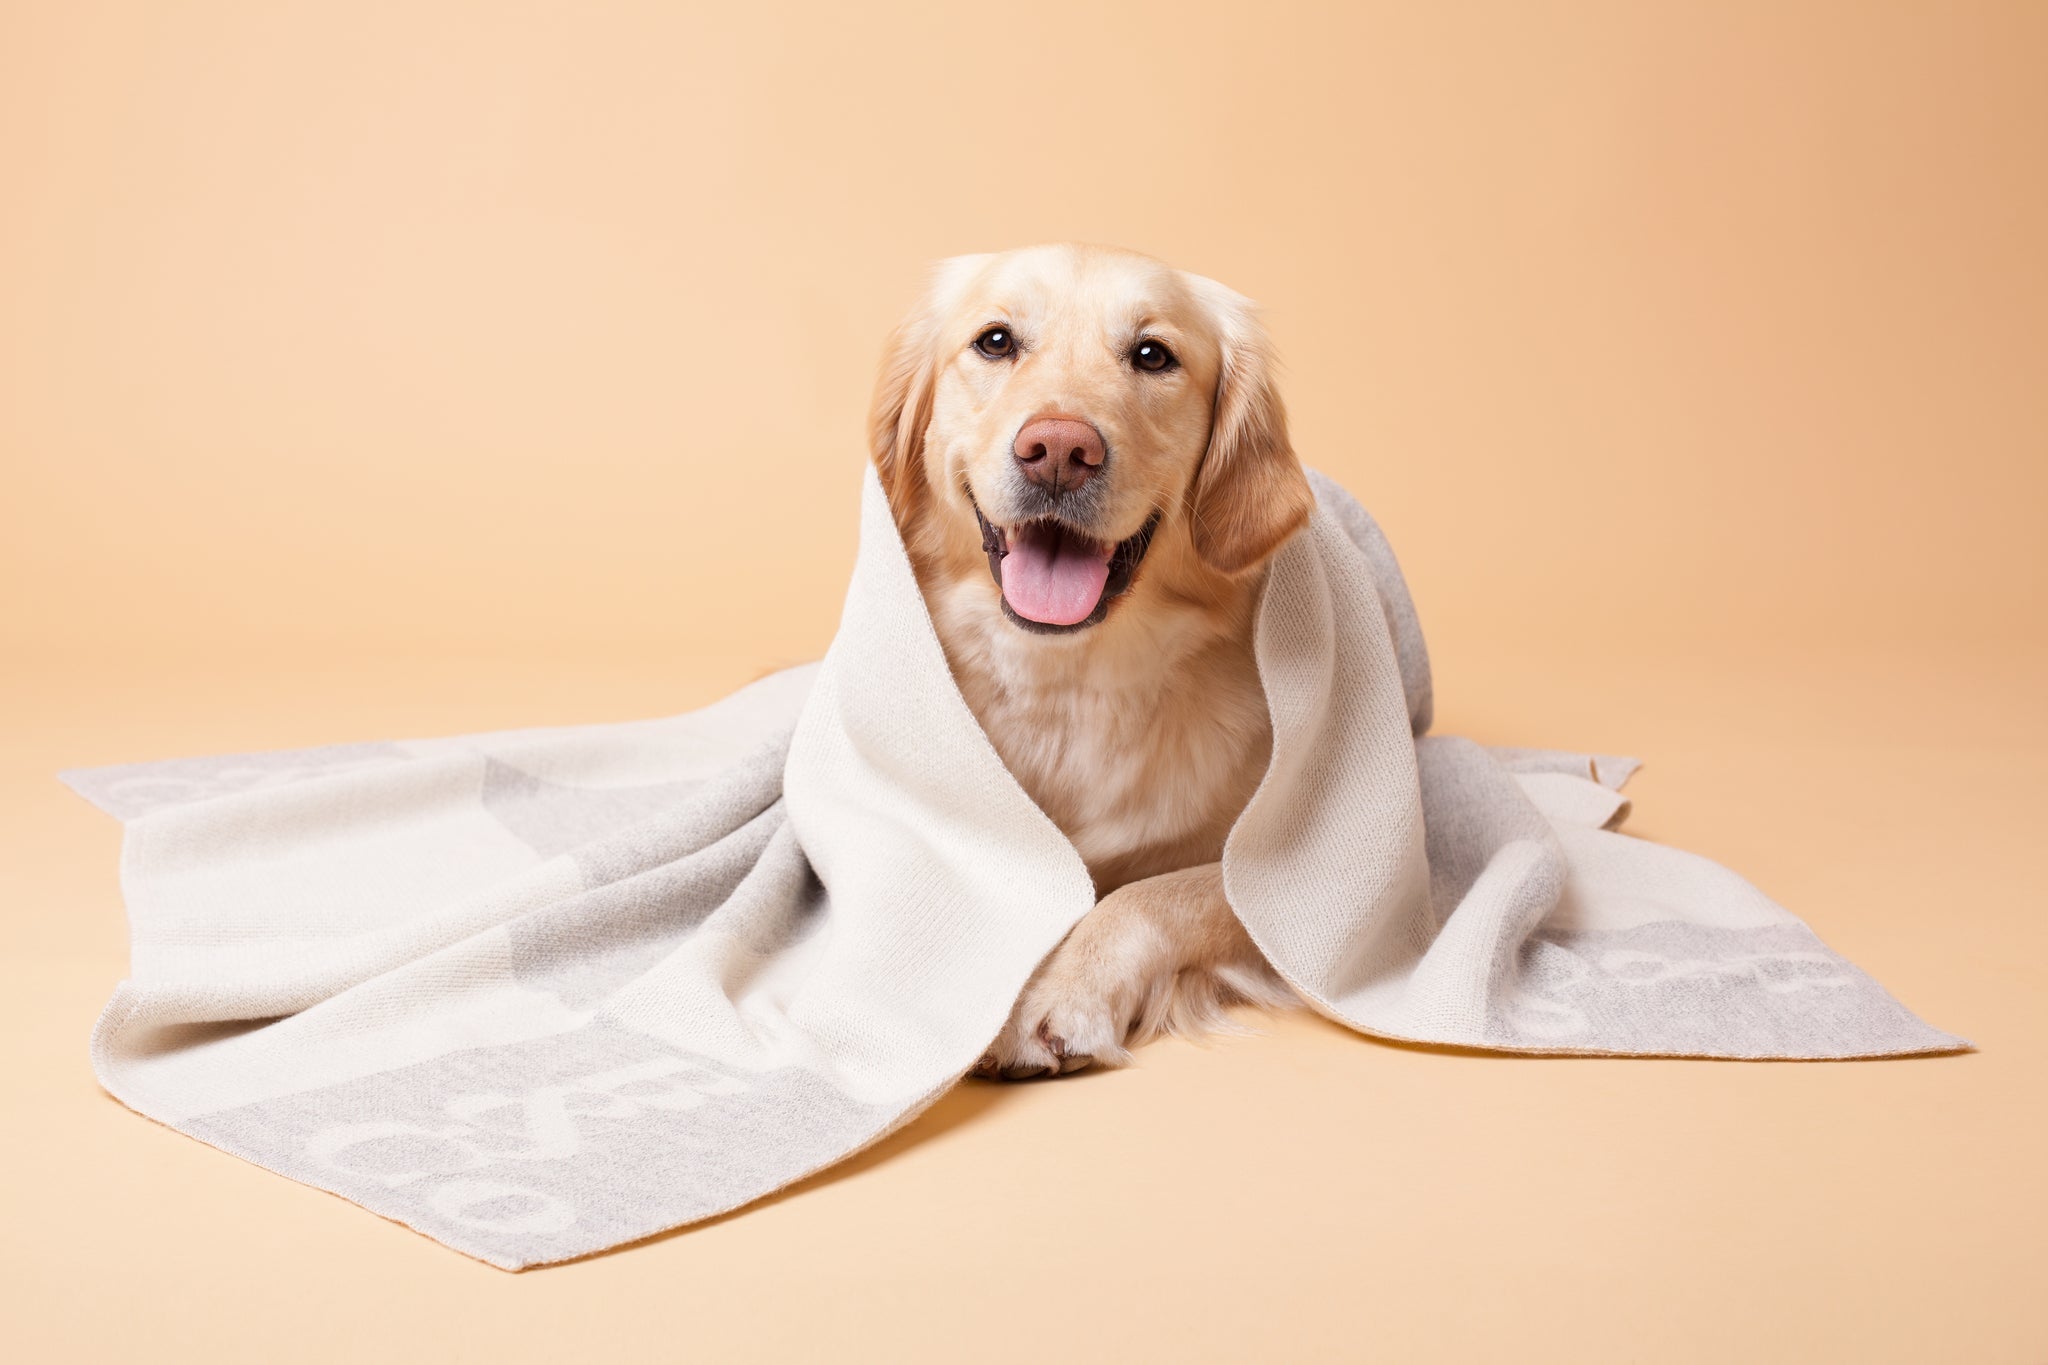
{"x": 1296, "y": 1194}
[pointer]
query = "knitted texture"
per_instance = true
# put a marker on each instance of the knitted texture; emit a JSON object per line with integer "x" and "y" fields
{"x": 542, "y": 992}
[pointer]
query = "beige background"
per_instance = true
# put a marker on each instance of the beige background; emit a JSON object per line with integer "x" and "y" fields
{"x": 426, "y": 367}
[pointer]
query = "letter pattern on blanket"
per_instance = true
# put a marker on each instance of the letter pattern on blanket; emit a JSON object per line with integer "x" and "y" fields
{"x": 541, "y": 993}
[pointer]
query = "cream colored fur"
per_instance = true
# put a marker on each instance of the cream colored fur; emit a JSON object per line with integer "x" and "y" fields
{"x": 1142, "y": 736}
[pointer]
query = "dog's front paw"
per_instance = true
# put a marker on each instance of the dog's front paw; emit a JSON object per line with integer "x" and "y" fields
{"x": 1162, "y": 955}
{"x": 1078, "y": 1011}
{"x": 1047, "y": 1039}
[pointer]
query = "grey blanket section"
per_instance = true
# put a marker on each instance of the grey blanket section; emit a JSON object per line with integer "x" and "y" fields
{"x": 554, "y": 1146}
{"x": 496, "y": 1069}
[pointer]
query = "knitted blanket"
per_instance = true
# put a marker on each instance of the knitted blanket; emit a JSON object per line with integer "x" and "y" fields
{"x": 542, "y": 992}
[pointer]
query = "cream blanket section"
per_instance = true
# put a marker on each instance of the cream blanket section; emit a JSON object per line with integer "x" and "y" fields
{"x": 544, "y": 992}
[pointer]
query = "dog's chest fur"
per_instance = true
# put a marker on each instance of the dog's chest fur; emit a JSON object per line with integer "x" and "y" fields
{"x": 1142, "y": 743}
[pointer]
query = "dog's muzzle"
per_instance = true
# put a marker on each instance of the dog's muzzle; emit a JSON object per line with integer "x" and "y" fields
{"x": 1055, "y": 579}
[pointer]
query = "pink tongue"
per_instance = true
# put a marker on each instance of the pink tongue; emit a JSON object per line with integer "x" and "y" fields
{"x": 1053, "y": 577}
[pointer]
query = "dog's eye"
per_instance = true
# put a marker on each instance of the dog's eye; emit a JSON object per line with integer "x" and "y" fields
{"x": 995, "y": 343}
{"x": 1153, "y": 356}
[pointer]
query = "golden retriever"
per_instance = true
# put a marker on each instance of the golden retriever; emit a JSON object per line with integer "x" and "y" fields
{"x": 1090, "y": 467}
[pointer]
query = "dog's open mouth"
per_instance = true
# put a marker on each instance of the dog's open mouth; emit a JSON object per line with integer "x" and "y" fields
{"x": 1053, "y": 577}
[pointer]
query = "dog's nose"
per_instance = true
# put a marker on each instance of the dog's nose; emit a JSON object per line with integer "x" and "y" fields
{"x": 1059, "y": 454}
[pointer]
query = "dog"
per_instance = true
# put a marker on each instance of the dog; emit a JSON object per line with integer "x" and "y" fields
{"x": 1088, "y": 460}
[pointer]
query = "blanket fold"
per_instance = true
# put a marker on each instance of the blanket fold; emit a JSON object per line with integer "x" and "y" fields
{"x": 542, "y": 992}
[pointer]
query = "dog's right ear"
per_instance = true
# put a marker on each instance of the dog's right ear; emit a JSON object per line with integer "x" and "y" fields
{"x": 902, "y": 408}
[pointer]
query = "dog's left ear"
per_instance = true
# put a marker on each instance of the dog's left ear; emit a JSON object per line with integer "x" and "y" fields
{"x": 1249, "y": 494}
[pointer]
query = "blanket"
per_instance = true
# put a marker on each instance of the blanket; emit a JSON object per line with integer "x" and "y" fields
{"x": 539, "y": 993}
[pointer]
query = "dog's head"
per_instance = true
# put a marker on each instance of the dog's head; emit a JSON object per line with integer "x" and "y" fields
{"x": 1077, "y": 414}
